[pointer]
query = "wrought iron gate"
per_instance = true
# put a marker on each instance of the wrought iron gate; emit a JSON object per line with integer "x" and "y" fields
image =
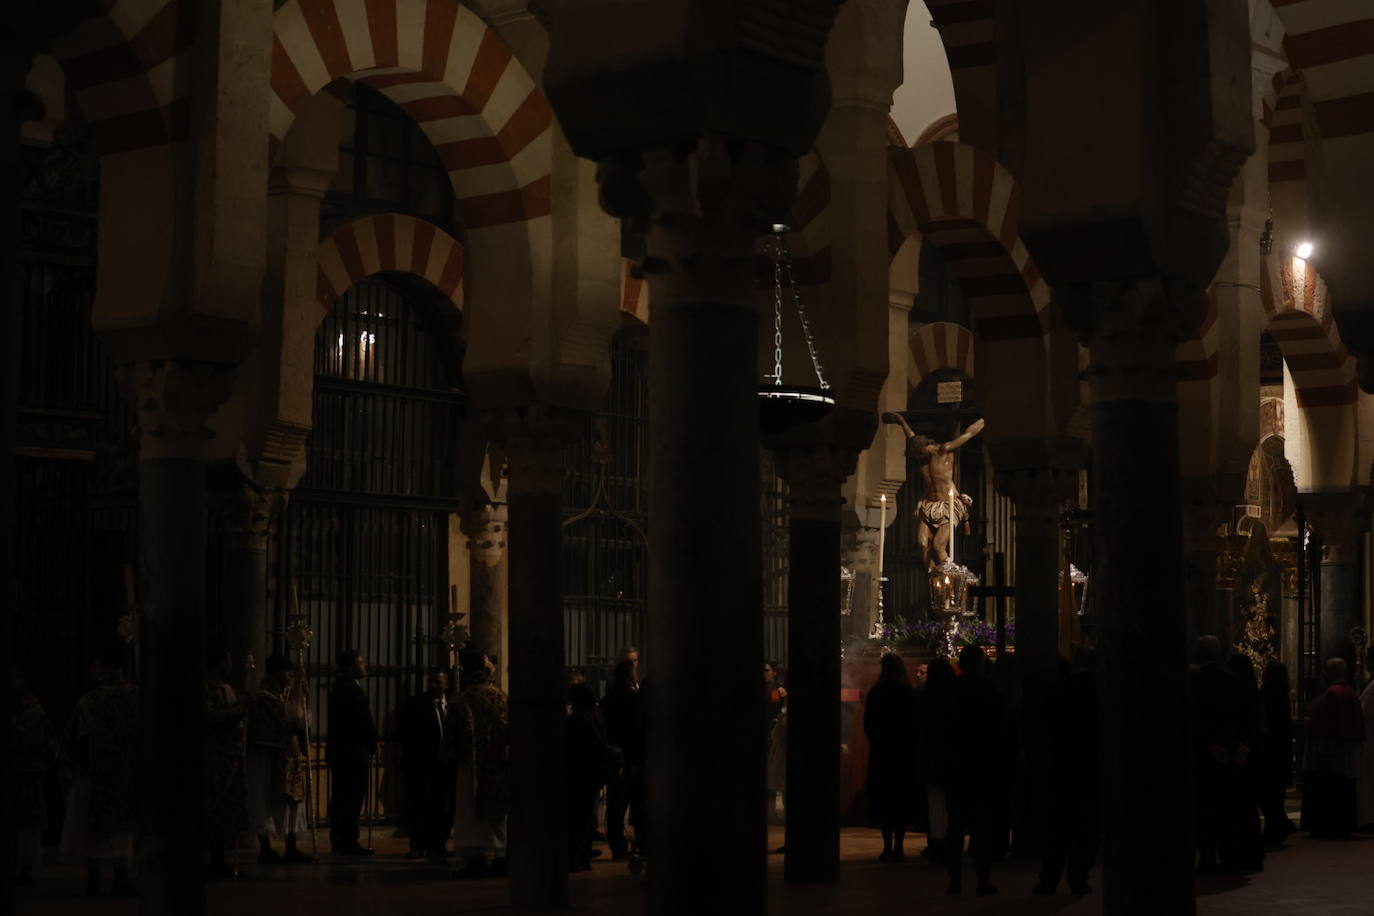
{"x": 364, "y": 544}
{"x": 605, "y": 503}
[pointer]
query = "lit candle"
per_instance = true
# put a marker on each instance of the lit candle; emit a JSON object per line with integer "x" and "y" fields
{"x": 882, "y": 533}
{"x": 951, "y": 526}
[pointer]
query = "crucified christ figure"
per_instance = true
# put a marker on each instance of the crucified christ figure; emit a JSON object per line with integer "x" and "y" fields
{"x": 934, "y": 527}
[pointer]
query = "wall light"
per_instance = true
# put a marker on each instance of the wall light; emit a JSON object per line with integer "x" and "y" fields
{"x": 1304, "y": 250}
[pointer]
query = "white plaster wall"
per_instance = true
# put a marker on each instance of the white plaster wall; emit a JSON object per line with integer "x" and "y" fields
{"x": 927, "y": 90}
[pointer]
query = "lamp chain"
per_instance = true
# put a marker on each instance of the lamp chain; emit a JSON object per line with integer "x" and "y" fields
{"x": 786, "y": 260}
{"x": 777, "y": 308}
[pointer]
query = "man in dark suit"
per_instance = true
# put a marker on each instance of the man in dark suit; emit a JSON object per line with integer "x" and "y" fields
{"x": 429, "y": 778}
{"x": 350, "y": 742}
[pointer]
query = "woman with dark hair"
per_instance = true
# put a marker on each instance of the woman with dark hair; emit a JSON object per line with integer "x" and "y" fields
{"x": 890, "y": 724}
{"x": 1245, "y": 820}
{"x": 1274, "y": 763}
{"x": 935, "y": 750}
{"x": 590, "y": 760}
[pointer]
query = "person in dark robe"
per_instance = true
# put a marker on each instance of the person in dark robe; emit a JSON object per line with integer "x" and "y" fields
{"x": 1073, "y": 827}
{"x": 33, "y": 755}
{"x": 1246, "y": 831}
{"x": 349, "y": 745}
{"x": 973, "y": 789}
{"x": 589, "y": 760}
{"x": 1274, "y": 761}
{"x": 890, "y": 725}
{"x": 1218, "y": 706}
{"x": 935, "y": 758}
{"x": 1331, "y": 763}
{"x": 225, "y": 800}
{"x": 102, "y": 748}
{"x": 429, "y": 775}
{"x": 620, "y": 708}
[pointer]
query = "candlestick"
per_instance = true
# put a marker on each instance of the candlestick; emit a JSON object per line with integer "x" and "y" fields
{"x": 882, "y": 532}
{"x": 951, "y": 526}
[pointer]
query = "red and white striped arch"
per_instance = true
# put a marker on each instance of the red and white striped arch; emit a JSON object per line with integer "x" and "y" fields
{"x": 388, "y": 242}
{"x": 490, "y": 124}
{"x": 1287, "y": 139}
{"x": 131, "y": 71}
{"x": 939, "y": 345}
{"x": 1198, "y": 358}
{"x": 634, "y": 293}
{"x": 962, "y": 201}
{"x": 1303, "y": 325}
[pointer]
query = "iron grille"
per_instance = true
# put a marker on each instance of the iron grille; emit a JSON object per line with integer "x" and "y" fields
{"x": 364, "y": 543}
{"x": 605, "y": 552}
{"x": 776, "y": 543}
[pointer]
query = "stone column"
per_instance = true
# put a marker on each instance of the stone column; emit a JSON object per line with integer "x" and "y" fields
{"x": 1338, "y": 520}
{"x": 245, "y": 514}
{"x": 486, "y": 531}
{"x": 859, "y": 552}
{"x": 696, "y": 213}
{"x": 173, "y": 401}
{"x": 814, "y": 476}
{"x": 534, "y": 439}
{"x": 1201, "y": 550}
{"x": 17, "y": 104}
{"x": 1039, "y": 495}
{"x": 1131, "y": 331}
{"x": 1286, "y": 554}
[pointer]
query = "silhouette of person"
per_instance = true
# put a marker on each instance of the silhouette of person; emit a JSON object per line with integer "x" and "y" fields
{"x": 972, "y": 789}
{"x": 890, "y": 725}
{"x": 1073, "y": 829}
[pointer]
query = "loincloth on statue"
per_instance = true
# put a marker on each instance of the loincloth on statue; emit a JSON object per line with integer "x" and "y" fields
{"x": 935, "y": 512}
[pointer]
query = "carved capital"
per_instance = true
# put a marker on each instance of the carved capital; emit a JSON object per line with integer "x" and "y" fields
{"x": 1039, "y": 495}
{"x": 1338, "y": 519}
{"x": 1131, "y": 330}
{"x": 245, "y": 513}
{"x": 859, "y": 548}
{"x": 1285, "y": 553}
{"x": 486, "y": 531}
{"x": 530, "y": 441}
{"x": 814, "y": 475}
{"x": 692, "y": 215}
{"x": 173, "y": 401}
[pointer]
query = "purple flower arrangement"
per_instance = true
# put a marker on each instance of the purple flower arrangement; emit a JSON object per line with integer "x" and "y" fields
{"x": 920, "y": 633}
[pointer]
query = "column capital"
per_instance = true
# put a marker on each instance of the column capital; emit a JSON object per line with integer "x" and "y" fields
{"x": 243, "y": 511}
{"x": 859, "y": 547}
{"x": 1338, "y": 518}
{"x": 693, "y": 215}
{"x": 173, "y": 401}
{"x": 1131, "y": 330}
{"x": 814, "y": 475}
{"x": 530, "y": 441}
{"x": 1039, "y": 495}
{"x": 486, "y": 531}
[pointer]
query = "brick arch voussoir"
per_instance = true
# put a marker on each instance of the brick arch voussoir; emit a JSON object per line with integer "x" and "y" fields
{"x": 960, "y": 199}
{"x": 385, "y": 243}
{"x": 488, "y": 120}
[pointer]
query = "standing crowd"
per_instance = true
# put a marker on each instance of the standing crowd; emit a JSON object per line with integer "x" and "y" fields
{"x": 957, "y": 751}
{"x": 455, "y": 768}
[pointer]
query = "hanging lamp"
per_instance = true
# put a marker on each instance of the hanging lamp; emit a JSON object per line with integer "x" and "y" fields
{"x": 782, "y": 407}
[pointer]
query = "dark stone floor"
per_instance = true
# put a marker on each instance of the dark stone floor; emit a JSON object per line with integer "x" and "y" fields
{"x": 1332, "y": 878}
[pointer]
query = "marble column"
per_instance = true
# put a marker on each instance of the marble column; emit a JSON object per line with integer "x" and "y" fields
{"x": 244, "y": 516}
{"x": 173, "y": 401}
{"x": 1201, "y": 552}
{"x": 1338, "y": 520}
{"x": 1039, "y": 495}
{"x": 534, "y": 439}
{"x": 1286, "y": 554}
{"x": 814, "y": 476}
{"x": 694, "y": 214}
{"x": 859, "y": 552}
{"x": 486, "y": 531}
{"x": 17, "y": 104}
{"x": 1131, "y": 331}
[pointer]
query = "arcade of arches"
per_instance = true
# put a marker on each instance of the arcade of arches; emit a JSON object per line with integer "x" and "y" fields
{"x": 410, "y": 324}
